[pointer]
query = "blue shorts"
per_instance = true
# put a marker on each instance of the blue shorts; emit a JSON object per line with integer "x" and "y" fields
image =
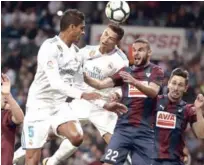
{"x": 167, "y": 162}
{"x": 130, "y": 140}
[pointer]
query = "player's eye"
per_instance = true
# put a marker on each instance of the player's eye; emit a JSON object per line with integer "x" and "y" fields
{"x": 173, "y": 83}
{"x": 112, "y": 39}
{"x": 181, "y": 85}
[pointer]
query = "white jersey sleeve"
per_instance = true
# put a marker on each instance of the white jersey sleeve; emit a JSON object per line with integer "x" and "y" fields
{"x": 50, "y": 66}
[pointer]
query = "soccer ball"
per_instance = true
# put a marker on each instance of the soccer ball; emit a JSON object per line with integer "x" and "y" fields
{"x": 117, "y": 11}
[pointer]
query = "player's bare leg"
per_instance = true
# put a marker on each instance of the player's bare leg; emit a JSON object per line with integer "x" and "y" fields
{"x": 32, "y": 156}
{"x": 65, "y": 150}
{"x": 19, "y": 154}
{"x": 107, "y": 137}
{"x": 71, "y": 130}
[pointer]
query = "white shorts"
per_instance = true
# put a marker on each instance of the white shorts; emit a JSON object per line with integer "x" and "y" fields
{"x": 102, "y": 119}
{"x": 37, "y": 124}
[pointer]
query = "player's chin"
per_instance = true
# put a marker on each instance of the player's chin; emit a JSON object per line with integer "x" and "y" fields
{"x": 175, "y": 96}
{"x": 137, "y": 63}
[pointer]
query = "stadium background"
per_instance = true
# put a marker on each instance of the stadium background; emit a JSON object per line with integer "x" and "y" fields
{"x": 25, "y": 25}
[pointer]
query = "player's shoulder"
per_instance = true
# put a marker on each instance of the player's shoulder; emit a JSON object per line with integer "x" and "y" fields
{"x": 156, "y": 68}
{"x": 50, "y": 47}
{"x": 89, "y": 48}
{"x": 53, "y": 40}
{"x": 120, "y": 53}
{"x": 49, "y": 43}
{"x": 76, "y": 48}
{"x": 188, "y": 106}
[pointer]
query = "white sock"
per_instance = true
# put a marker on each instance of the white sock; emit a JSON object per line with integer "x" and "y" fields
{"x": 129, "y": 159}
{"x": 65, "y": 150}
{"x": 18, "y": 155}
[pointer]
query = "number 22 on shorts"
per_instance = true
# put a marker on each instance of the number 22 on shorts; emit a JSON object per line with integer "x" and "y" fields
{"x": 111, "y": 155}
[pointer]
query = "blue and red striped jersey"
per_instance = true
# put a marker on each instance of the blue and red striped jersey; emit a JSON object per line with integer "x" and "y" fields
{"x": 139, "y": 105}
{"x": 170, "y": 124}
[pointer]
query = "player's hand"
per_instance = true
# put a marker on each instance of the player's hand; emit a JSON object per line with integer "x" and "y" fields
{"x": 91, "y": 96}
{"x": 6, "y": 85}
{"x": 116, "y": 107}
{"x": 114, "y": 97}
{"x": 187, "y": 156}
{"x": 199, "y": 102}
{"x": 187, "y": 159}
{"x": 127, "y": 77}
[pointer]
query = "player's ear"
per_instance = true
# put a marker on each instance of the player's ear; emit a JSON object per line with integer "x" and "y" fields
{"x": 168, "y": 83}
{"x": 149, "y": 52}
{"x": 72, "y": 26}
{"x": 186, "y": 88}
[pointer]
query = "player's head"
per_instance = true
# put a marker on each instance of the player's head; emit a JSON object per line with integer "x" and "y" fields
{"x": 141, "y": 52}
{"x": 72, "y": 23}
{"x": 178, "y": 84}
{"x": 111, "y": 37}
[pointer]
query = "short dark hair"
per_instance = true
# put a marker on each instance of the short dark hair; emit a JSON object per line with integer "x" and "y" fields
{"x": 180, "y": 72}
{"x": 142, "y": 40}
{"x": 71, "y": 16}
{"x": 118, "y": 30}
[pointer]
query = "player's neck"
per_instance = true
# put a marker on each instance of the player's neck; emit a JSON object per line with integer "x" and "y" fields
{"x": 65, "y": 39}
{"x": 173, "y": 100}
{"x": 104, "y": 51}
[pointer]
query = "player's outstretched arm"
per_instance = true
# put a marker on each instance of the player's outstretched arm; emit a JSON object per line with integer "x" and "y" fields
{"x": 11, "y": 104}
{"x": 198, "y": 126}
{"x": 98, "y": 84}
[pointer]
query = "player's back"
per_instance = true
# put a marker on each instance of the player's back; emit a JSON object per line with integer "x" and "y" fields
{"x": 55, "y": 56}
{"x": 100, "y": 66}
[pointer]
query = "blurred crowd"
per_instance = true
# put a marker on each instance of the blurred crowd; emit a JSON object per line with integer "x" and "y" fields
{"x": 25, "y": 25}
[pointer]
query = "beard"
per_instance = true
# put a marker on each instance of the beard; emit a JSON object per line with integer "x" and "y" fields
{"x": 143, "y": 61}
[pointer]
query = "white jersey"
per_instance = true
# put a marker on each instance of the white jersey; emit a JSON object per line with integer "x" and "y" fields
{"x": 55, "y": 77}
{"x": 101, "y": 66}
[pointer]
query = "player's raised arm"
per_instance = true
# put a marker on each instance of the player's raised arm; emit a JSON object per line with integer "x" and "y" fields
{"x": 51, "y": 68}
{"x": 11, "y": 104}
{"x": 198, "y": 126}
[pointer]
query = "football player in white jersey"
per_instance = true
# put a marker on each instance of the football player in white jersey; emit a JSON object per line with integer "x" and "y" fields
{"x": 53, "y": 83}
{"x": 99, "y": 62}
